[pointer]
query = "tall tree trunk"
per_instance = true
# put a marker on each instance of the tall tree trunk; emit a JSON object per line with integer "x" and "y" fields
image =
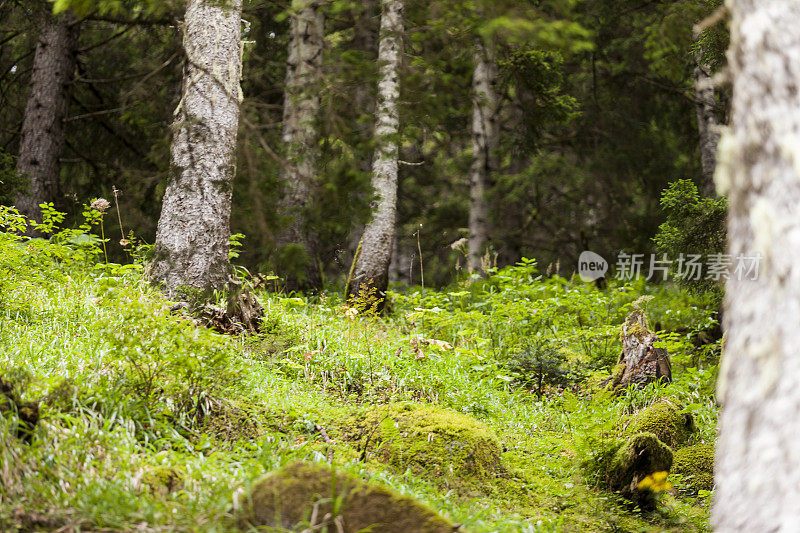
{"x": 192, "y": 240}
{"x": 365, "y": 40}
{"x": 372, "y": 266}
{"x": 43, "y": 130}
{"x": 300, "y": 136}
{"x": 484, "y": 146}
{"x": 758, "y": 451}
{"x": 707, "y": 123}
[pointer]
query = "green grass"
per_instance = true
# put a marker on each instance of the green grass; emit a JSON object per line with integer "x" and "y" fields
{"x": 129, "y": 391}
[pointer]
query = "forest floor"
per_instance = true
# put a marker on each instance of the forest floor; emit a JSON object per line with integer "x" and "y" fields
{"x": 148, "y": 422}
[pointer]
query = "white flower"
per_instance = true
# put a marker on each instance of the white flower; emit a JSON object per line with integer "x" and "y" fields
{"x": 100, "y": 204}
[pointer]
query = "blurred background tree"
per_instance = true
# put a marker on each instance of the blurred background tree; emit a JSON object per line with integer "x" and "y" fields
{"x": 597, "y": 114}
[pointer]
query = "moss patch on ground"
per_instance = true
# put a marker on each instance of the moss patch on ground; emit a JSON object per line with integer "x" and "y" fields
{"x": 313, "y": 495}
{"x": 162, "y": 480}
{"x": 695, "y": 465}
{"x": 441, "y": 443}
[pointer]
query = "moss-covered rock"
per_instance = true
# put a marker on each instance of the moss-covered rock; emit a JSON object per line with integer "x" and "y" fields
{"x": 439, "y": 443}
{"x": 312, "y": 495}
{"x": 665, "y": 420}
{"x": 695, "y": 465}
{"x": 162, "y": 480}
{"x": 642, "y": 455}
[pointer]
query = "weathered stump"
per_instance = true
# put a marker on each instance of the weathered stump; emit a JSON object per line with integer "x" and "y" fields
{"x": 641, "y": 361}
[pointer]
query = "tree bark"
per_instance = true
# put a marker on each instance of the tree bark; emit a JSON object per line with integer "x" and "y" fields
{"x": 43, "y": 129}
{"x": 300, "y": 136}
{"x": 641, "y": 361}
{"x": 365, "y": 40}
{"x": 372, "y": 267}
{"x": 192, "y": 240}
{"x": 758, "y": 451}
{"x": 707, "y": 123}
{"x": 484, "y": 147}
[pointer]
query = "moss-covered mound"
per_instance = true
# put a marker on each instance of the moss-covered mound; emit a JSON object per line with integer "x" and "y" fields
{"x": 695, "y": 464}
{"x": 665, "y": 420}
{"x": 306, "y": 494}
{"x": 162, "y": 480}
{"x": 642, "y": 455}
{"x": 439, "y": 443}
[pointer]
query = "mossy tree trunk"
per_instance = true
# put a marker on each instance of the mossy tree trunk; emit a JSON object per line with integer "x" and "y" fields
{"x": 372, "y": 266}
{"x": 43, "y": 129}
{"x": 192, "y": 240}
{"x": 642, "y": 361}
{"x": 758, "y": 451}
{"x": 485, "y": 141}
{"x": 300, "y": 136}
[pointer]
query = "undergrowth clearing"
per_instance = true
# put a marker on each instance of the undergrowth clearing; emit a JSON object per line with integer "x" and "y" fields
{"x": 150, "y": 423}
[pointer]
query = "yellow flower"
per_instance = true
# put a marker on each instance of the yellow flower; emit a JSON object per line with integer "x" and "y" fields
{"x": 655, "y": 482}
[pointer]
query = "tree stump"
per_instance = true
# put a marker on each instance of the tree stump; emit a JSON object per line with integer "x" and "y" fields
{"x": 641, "y": 361}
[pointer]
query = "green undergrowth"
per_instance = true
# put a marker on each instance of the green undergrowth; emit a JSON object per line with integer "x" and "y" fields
{"x": 146, "y": 418}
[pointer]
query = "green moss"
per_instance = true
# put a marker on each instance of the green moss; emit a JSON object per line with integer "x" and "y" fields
{"x": 440, "y": 444}
{"x": 597, "y": 466}
{"x": 229, "y": 422}
{"x": 641, "y": 455}
{"x": 636, "y": 325}
{"x": 665, "y": 420}
{"x": 306, "y": 494}
{"x": 695, "y": 465}
{"x": 617, "y": 372}
{"x": 162, "y": 480}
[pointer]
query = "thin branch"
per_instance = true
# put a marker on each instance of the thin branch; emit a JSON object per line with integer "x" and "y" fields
{"x": 14, "y": 34}
{"x": 712, "y": 20}
{"x": 105, "y": 41}
{"x": 139, "y": 21}
{"x": 96, "y": 114}
{"x": 263, "y": 143}
{"x": 670, "y": 88}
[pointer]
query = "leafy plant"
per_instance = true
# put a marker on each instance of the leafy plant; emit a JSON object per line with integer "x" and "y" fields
{"x": 694, "y": 225}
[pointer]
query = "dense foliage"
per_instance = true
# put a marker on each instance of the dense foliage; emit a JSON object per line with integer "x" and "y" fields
{"x": 597, "y": 119}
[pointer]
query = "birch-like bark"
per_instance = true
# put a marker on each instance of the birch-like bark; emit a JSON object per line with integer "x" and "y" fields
{"x": 43, "y": 131}
{"x": 372, "y": 266}
{"x": 707, "y": 123}
{"x": 300, "y": 135}
{"x": 758, "y": 451}
{"x": 484, "y": 147}
{"x": 192, "y": 240}
{"x": 365, "y": 40}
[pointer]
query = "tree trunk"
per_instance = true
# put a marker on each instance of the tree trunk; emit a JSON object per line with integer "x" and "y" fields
{"x": 758, "y": 451}
{"x": 300, "y": 136}
{"x": 192, "y": 241}
{"x": 641, "y": 361}
{"x": 372, "y": 267}
{"x": 707, "y": 123}
{"x": 365, "y": 40}
{"x": 484, "y": 146}
{"x": 43, "y": 130}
